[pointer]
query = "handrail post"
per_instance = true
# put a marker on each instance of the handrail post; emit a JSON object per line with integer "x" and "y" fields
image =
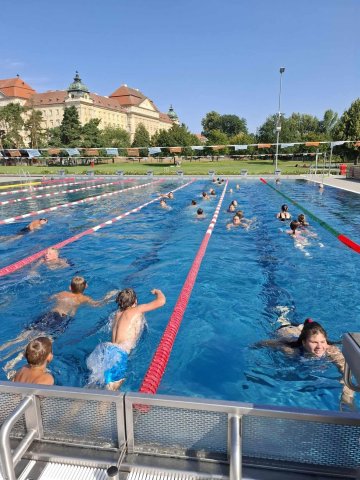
{"x": 235, "y": 447}
{"x": 5, "y": 449}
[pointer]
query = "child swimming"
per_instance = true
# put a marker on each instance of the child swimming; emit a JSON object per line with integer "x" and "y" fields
{"x": 108, "y": 362}
{"x": 38, "y": 354}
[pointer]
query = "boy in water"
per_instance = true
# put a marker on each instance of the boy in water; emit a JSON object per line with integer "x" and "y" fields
{"x": 56, "y": 321}
{"x": 200, "y": 213}
{"x": 38, "y": 354}
{"x": 52, "y": 260}
{"x": 108, "y": 361}
{"x": 34, "y": 225}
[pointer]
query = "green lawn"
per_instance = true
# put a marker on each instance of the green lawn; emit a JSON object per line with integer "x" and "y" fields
{"x": 223, "y": 167}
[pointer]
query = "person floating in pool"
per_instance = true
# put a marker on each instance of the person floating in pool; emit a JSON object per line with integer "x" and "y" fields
{"x": 163, "y": 204}
{"x": 284, "y": 214}
{"x": 108, "y": 362}
{"x": 38, "y": 354}
{"x": 52, "y": 260}
{"x": 34, "y": 225}
{"x": 58, "y": 318}
{"x": 309, "y": 340}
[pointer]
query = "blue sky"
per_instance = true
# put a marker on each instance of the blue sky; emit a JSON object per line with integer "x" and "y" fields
{"x": 199, "y": 55}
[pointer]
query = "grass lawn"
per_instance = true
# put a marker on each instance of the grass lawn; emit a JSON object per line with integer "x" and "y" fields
{"x": 222, "y": 167}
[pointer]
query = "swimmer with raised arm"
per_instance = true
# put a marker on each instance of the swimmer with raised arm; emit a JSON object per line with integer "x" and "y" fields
{"x": 108, "y": 361}
{"x": 309, "y": 339}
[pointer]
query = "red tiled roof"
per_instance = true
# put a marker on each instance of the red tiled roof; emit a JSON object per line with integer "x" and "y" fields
{"x": 127, "y": 96}
{"x": 47, "y": 98}
{"x": 201, "y": 137}
{"x": 106, "y": 102}
{"x": 164, "y": 117}
{"x": 16, "y": 87}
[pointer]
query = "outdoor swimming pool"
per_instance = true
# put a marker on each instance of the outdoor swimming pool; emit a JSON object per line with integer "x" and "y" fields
{"x": 246, "y": 279}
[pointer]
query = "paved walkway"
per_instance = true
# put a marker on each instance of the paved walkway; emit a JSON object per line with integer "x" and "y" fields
{"x": 336, "y": 181}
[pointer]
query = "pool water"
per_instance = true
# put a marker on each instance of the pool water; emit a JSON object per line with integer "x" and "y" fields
{"x": 247, "y": 278}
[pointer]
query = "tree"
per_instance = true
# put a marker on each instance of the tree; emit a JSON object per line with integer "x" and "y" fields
{"x": 211, "y": 121}
{"x": 329, "y": 123}
{"x": 217, "y": 137}
{"x": 70, "y": 128}
{"x": 176, "y": 136}
{"x": 34, "y": 128}
{"x": 228, "y": 124}
{"x": 54, "y": 137}
{"x": 232, "y": 125}
{"x": 12, "y": 123}
{"x": 115, "y": 137}
{"x": 91, "y": 134}
{"x": 348, "y": 128}
{"x": 142, "y": 137}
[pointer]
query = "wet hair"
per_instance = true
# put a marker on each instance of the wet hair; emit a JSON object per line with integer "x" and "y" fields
{"x": 162, "y": 201}
{"x": 193, "y": 202}
{"x": 170, "y": 195}
{"x": 200, "y": 211}
{"x": 212, "y": 192}
{"x": 239, "y": 214}
{"x": 235, "y": 217}
{"x": 301, "y": 218}
{"x": 234, "y": 202}
{"x": 78, "y": 284}
{"x": 38, "y": 350}
{"x": 43, "y": 220}
{"x": 231, "y": 207}
{"x": 126, "y": 298}
{"x": 204, "y": 194}
{"x": 310, "y": 328}
{"x": 294, "y": 225}
{"x": 284, "y": 208}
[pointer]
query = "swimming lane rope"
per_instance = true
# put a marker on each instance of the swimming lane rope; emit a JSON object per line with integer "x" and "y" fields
{"x": 52, "y": 194}
{"x": 161, "y": 357}
{"x": 70, "y": 204}
{"x": 20, "y": 185}
{"x": 26, "y": 261}
{"x": 342, "y": 238}
{"x": 23, "y": 190}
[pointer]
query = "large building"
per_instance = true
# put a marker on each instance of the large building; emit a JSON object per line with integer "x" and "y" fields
{"x": 126, "y": 107}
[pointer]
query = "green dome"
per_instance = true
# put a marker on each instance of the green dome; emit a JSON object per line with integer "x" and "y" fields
{"x": 172, "y": 114}
{"x": 77, "y": 85}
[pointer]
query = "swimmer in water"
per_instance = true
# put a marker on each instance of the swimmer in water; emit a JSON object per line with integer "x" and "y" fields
{"x": 284, "y": 214}
{"x": 231, "y": 208}
{"x": 163, "y": 203}
{"x": 294, "y": 225}
{"x": 193, "y": 203}
{"x": 235, "y": 203}
{"x": 57, "y": 319}
{"x": 236, "y": 222}
{"x": 310, "y": 339}
{"x": 108, "y": 361}
{"x": 200, "y": 213}
{"x": 302, "y": 220}
{"x": 52, "y": 260}
{"x": 34, "y": 225}
{"x": 237, "y": 186}
{"x": 212, "y": 192}
{"x": 205, "y": 196}
{"x": 38, "y": 354}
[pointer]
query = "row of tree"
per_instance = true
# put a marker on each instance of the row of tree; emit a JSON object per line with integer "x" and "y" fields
{"x": 16, "y": 122}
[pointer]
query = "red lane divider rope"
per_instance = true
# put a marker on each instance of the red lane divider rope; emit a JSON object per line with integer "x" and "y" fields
{"x": 161, "y": 357}
{"x": 349, "y": 243}
{"x": 70, "y": 204}
{"x": 55, "y": 180}
{"x": 26, "y": 261}
{"x": 23, "y": 190}
{"x": 52, "y": 194}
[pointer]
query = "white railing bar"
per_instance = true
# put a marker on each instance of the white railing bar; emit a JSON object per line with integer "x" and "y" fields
{"x": 23, "y": 446}
{"x": 235, "y": 448}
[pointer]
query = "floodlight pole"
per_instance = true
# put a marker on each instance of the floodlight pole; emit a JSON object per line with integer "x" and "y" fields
{"x": 278, "y": 122}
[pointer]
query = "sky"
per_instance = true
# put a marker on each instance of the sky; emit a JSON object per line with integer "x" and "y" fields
{"x": 198, "y": 55}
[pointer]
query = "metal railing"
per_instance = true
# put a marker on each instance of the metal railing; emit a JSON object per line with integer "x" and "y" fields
{"x": 201, "y": 431}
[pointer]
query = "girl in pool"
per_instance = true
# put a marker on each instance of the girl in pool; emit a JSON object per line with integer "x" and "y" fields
{"x": 310, "y": 340}
{"x": 284, "y": 214}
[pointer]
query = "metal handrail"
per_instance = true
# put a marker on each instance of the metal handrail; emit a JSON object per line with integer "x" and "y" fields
{"x": 7, "y": 460}
{"x": 235, "y": 448}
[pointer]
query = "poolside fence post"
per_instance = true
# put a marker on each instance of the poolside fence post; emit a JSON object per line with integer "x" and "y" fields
{"x": 235, "y": 447}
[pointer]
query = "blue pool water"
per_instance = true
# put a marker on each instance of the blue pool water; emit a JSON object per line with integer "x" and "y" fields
{"x": 245, "y": 281}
